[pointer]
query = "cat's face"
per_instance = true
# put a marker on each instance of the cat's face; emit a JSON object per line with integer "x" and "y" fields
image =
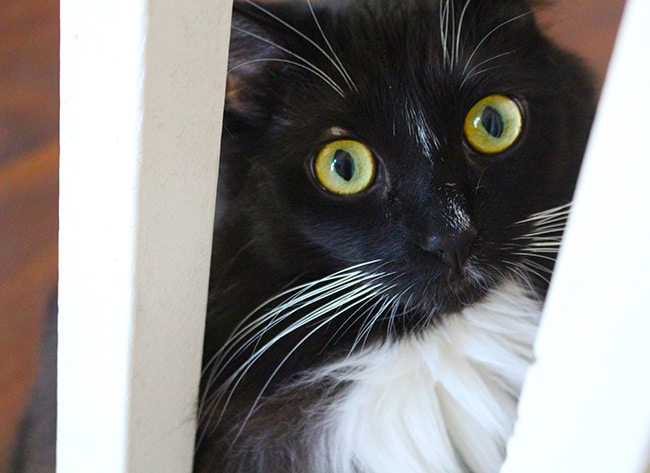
{"x": 440, "y": 140}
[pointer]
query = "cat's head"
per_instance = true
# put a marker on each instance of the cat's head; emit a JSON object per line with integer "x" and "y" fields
{"x": 439, "y": 139}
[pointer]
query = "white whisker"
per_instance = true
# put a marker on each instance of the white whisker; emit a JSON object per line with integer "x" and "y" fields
{"x": 337, "y": 65}
{"x": 341, "y": 68}
{"x": 538, "y": 266}
{"x": 459, "y": 32}
{"x": 358, "y": 314}
{"x": 485, "y": 61}
{"x": 324, "y": 299}
{"x": 358, "y": 297}
{"x": 262, "y": 325}
{"x": 451, "y": 21}
{"x": 337, "y": 281}
{"x": 553, "y": 213}
{"x": 298, "y": 344}
{"x": 541, "y": 243}
{"x": 478, "y": 73}
{"x": 549, "y": 233}
{"x": 377, "y": 312}
{"x": 524, "y": 273}
{"x": 228, "y": 388}
{"x": 444, "y": 31}
{"x": 473, "y": 73}
{"x": 534, "y": 255}
{"x": 485, "y": 38}
{"x": 307, "y": 65}
{"x": 545, "y": 244}
{"x": 316, "y": 72}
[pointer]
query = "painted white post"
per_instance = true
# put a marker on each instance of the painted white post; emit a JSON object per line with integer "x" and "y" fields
{"x": 586, "y": 403}
{"x": 142, "y": 85}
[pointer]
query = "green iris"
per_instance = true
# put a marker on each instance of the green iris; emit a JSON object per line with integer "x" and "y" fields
{"x": 493, "y": 124}
{"x": 345, "y": 167}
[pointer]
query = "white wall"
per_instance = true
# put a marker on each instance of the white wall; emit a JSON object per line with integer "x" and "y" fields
{"x": 586, "y": 404}
{"x": 142, "y": 85}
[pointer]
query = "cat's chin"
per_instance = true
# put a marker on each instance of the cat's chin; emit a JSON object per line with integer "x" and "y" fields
{"x": 430, "y": 298}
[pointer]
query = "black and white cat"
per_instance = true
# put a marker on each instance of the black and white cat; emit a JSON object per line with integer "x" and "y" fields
{"x": 396, "y": 177}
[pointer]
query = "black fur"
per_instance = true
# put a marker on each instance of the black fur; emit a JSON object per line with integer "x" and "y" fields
{"x": 279, "y": 228}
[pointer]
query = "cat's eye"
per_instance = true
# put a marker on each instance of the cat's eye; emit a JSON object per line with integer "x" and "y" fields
{"x": 493, "y": 124}
{"x": 345, "y": 167}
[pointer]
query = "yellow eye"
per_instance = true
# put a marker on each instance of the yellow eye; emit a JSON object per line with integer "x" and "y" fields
{"x": 345, "y": 167}
{"x": 493, "y": 124}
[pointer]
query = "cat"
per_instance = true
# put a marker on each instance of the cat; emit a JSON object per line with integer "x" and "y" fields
{"x": 396, "y": 176}
{"x": 395, "y": 179}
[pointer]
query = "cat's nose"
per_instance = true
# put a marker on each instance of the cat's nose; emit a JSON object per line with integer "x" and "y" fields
{"x": 452, "y": 249}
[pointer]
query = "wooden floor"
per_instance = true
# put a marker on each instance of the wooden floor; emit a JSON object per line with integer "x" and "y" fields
{"x": 29, "y": 105}
{"x": 29, "y": 170}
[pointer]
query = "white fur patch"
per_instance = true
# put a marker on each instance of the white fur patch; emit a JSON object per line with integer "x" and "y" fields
{"x": 420, "y": 130}
{"x": 441, "y": 402}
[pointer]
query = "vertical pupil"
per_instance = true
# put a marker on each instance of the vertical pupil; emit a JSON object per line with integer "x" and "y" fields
{"x": 343, "y": 164}
{"x": 492, "y": 122}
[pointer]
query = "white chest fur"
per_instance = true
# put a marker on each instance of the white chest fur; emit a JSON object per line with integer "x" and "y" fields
{"x": 441, "y": 402}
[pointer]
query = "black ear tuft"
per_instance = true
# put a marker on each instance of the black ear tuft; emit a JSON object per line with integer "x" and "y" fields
{"x": 257, "y": 43}
{"x": 251, "y": 48}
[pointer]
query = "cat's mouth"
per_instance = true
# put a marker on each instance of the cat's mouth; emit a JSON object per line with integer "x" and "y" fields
{"x": 458, "y": 288}
{"x": 428, "y": 296}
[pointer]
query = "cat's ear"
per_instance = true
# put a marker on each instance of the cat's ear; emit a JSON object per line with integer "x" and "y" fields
{"x": 256, "y": 44}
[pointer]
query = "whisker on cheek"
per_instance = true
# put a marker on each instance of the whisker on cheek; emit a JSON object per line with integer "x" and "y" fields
{"x": 316, "y": 305}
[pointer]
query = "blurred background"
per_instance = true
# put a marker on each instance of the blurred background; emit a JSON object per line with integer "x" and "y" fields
{"x": 29, "y": 104}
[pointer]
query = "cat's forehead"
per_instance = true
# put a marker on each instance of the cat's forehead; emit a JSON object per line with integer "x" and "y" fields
{"x": 444, "y": 27}
{"x": 442, "y": 45}
{"x": 405, "y": 72}
{"x": 385, "y": 44}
